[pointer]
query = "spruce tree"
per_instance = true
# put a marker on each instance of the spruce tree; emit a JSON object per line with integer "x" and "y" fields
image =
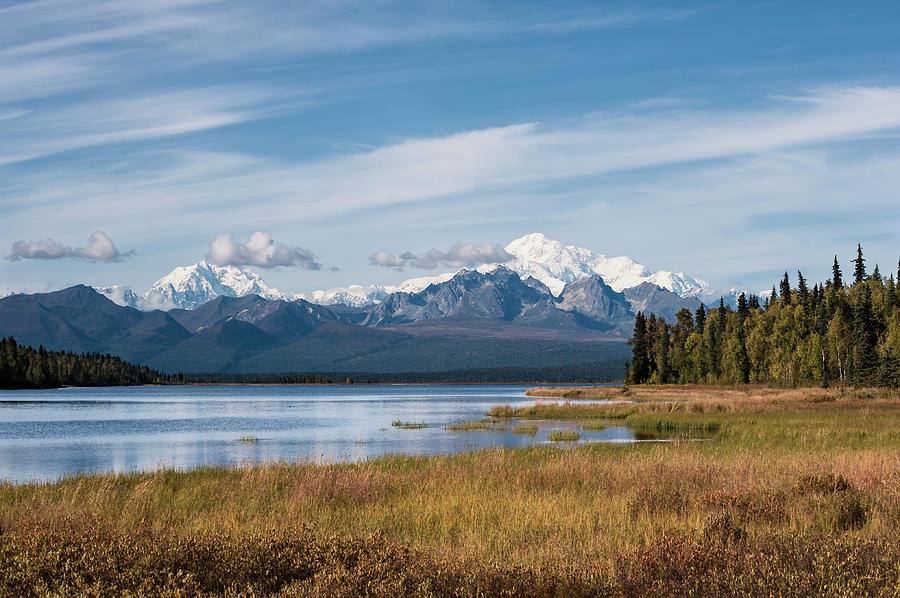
{"x": 837, "y": 281}
{"x": 721, "y": 315}
{"x": 865, "y": 337}
{"x": 859, "y": 269}
{"x": 743, "y": 308}
{"x": 700, "y": 319}
{"x": 754, "y": 302}
{"x": 876, "y": 274}
{"x": 785, "y": 290}
{"x": 640, "y": 361}
{"x": 802, "y": 289}
{"x": 888, "y": 369}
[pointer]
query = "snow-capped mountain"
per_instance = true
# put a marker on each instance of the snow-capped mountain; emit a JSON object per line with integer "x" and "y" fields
{"x": 120, "y": 295}
{"x": 536, "y": 257}
{"x": 546, "y": 260}
{"x": 357, "y": 295}
{"x": 555, "y": 265}
{"x": 187, "y": 287}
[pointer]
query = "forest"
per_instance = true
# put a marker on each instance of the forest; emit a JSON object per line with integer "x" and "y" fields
{"x": 25, "y": 367}
{"x": 833, "y": 334}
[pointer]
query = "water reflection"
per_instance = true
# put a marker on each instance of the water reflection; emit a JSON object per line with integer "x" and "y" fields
{"x": 48, "y": 434}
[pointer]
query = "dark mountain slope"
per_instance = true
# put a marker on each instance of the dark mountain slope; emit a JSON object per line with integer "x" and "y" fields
{"x": 80, "y": 319}
{"x": 651, "y": 299}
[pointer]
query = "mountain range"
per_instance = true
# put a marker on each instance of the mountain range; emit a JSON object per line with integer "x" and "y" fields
{"x": 550, "y": 262}
{"x": 474, "y": 319}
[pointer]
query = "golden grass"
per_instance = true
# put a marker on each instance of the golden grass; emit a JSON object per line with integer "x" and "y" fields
{"x": 787, "y": 482}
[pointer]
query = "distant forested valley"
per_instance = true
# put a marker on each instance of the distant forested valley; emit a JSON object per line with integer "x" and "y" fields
{"x": 831, "y": 334}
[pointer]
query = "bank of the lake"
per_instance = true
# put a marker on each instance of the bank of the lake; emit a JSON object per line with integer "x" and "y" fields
{"x": 795, "y": 494}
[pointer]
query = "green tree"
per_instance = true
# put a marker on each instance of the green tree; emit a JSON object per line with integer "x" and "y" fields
{"x": 802, "y": 290}
{"x": 662, "y": 355}
{"x": 743, "y": 307}
{"x": 640, "y": 361}
{"x": 859, "y": 268}
{"x": 836, "y": 278}
{"x": 785, "y": 290}
{"x": 700, "y": 319}
{"x": 864, "y": 338}
{"x": 888, "y": 369}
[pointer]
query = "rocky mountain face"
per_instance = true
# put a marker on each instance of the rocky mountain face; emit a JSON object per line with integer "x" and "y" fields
{"x": 650, "y": 298}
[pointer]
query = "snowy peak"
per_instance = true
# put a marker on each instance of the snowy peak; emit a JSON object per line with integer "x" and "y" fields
{"x": 556, "y": 265}
{"x": 188, "y": 287}
{"x": 357, "y": 295}
{"x": 120, "y": 295}
{"x": 537, "y": 258}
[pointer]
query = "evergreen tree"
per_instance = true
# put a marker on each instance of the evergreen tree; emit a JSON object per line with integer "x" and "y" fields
{"x": 754, "y": 302}
{"x": 859, "y": 270}
{"x": 713, "y": 357}
{"x": 821, "y": 325}
{"x": 640, "y": 361}
{"x": 721, "y": 315}
{"x": 864, "y": 338}
{"x": 888, "y": 369}
{"x": 662, "y": 355}
{"x": 700, "y": 319}
{"x": 876, "y": 274}
{"x": 802, "y": 290}
{"x": 837, "y": 281}
{"x": 785, "y": 290}
{"x": 743, "y": 308}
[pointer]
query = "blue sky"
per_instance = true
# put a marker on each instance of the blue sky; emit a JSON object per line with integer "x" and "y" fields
{"x": 730, "y": 141}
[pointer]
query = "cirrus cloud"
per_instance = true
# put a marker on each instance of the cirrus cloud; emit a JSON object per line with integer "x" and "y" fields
{"x": 100, "y": 248}
{"x": 460, "y": 255}
{"x": 261, "y": 250}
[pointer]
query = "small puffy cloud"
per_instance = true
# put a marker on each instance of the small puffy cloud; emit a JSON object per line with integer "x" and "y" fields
{"x": 100, "y": 248}
{"x": 261, "y": 250}
{"x": 460, "y": 255}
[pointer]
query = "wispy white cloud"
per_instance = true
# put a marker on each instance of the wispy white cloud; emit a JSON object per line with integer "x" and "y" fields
{"x": 43, "y": 132}
{"x": 732, "y": 164}
{"x": 100, "y": 248}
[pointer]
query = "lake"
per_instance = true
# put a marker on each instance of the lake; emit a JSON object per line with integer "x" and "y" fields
{"x": 47, "y": 434}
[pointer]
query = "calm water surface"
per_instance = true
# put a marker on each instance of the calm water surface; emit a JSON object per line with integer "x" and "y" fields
{"x": 52, "y": 433}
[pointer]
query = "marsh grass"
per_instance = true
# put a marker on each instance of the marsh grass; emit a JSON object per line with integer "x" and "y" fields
{"x": 408, "y": 425}
{"x": 792, "y": 497}
{"x": 564, "y": 436}
{"x": 483, "y": 424}
{"x": 525, "y": 429}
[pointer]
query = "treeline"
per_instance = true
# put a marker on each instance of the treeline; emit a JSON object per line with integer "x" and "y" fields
{"x": 25, "y": 367}
{"x": 604, "y": 371}
{"x": 828, "y": 335}
{"x": 264, "y": 378}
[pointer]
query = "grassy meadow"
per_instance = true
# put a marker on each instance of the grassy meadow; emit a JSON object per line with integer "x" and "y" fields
{"x": 760, "y": 492}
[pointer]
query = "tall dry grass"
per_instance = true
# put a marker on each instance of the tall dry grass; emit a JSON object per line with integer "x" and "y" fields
{"x": 795, "y": 491}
